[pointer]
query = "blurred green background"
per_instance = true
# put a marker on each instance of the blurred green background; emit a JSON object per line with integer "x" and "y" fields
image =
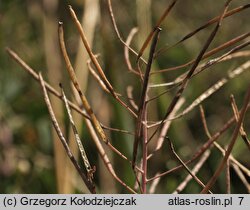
{"x": 29, "y": 27}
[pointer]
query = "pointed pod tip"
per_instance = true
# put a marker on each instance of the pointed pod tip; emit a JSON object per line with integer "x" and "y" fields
{"x": 60, "y": 23}
{"x": 159, "y": 29}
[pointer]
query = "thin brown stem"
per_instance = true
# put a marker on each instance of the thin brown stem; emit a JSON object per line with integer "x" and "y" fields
{"x": 228, "y": 177}
{"x": 194, "y": 171}
{"x": 117, "y": 31}
{"x": 143, "y": 104}
{"x": 201, "y": 150}
{"x": 231, "y": 145}
{"x": 154, "y": 30}
{"x": 184, "y": 165}
{"x": 49, "y": 88}
{"x": 241, "y": 176}
{"x": 236, "y": 114}
{"x": 210, "y": 22}
{"x": 126, "y": 51}
{"x": 72, "y": 75}
{"x": 96, "y": 76}
{"x": 214, "y": 88}
{"x": 204, "y": 122}
{"x": 165, "y": 129}
{"x": 191, "y": 71}
{"x": 90, "y": 170}
{"x": 96, "y": 63}
{"x": 208, "y": 54}
{"x": 88, "y": 183}
{"x": 96, "y": 124}
{"x": 131, "y": 98}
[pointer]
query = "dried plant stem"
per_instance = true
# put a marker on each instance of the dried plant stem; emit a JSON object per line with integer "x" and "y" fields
{"x": 225, "y": 57}
{"x": 214, "y": 88}
{"x": 96, "y": 124}
{"x": 208, "y": 54}
{"x": 165, "y": 128}
{"x": 89, "y": 184}
{"x": 90, "y": 9}
{"x": 204, "y": 122}
{"x": 191, "y": 71}
{"x": 104, "y": 156}
{"x": 49, "y": 88}
{"x": 154, "y": 30}
{"x": 131, "y": 98}
{"x": 231, "y": 160}
{"x": 195, "y": 170}
{"x": 126, "y": 51}
{"x": 201, "y": 150}
{"x": 241, "y": 176}
{"x": 53, "y": 64}
{"x": 84, "y": 100}
{"x": 210, "y": 22}
{"x": 140, "y": 124}
{"x": 85, "y": 159}
{"x": 236, "y": 114}
{"x": 96, "y": 76}
{"x": 154, "y": 184}
{"x": 184, "y": 165}
{"x": 231, "y": 144}
{"x": 117, "y": 31}
{"x": 228, "y": 177}
{"x": 96, "y": 63}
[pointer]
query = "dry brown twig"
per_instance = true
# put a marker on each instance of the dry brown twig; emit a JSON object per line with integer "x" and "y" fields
{"x": 194, "y": 171}
{"x": 228, "y": 177}
{"x": 126, "y": 50}
{"x": 236, "y": 114}
{"x": 118, "y": 33}
{"x": 192, "y": 69}
{"x": 90, "y": 170}
{"x": 207, "y": 54}
{"x": 184, "y": 165}
{"x": 214, "y": 88}
{"x": 231, "y": 144}
{"x": 131, "y": 98}
{"x": 143, "y": 124}
{"x": 96, "y": 124}
{"x": 141, "y": 131}
{"x": 140, "y": 124}
{"x": 52, "y": 90}
{"x": 241, "y": 176}
{"x": 96, "y": 63}
{"x": 233, "y": 161}
{"x": 210, "y": 22}
{"x": 202, "y": 149}
{"x": 85, "y": 179}
{"x": 154, "y": 30}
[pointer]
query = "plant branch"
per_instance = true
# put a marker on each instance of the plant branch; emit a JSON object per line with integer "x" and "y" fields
{"x": 154, "y": 30}
{"x": 96, "y": 63}
{"x": 191, "y": 71}
{"x": 210, "y": 22}
{"x": 184, "y": 165}
{"x": 143, "y": 104}
{"x": 232, "y": 142}
{"x": 88, "y": 183}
